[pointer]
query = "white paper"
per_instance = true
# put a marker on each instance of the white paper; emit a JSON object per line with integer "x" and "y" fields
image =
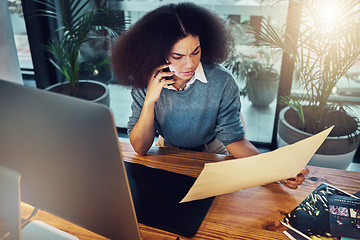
{"x": 233, "y": 175}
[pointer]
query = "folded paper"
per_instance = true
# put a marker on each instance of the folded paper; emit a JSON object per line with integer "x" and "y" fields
{"x": 233, "y": 175}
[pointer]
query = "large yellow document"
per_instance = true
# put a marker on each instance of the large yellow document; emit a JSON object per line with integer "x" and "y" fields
{"x": 233, "y": 175}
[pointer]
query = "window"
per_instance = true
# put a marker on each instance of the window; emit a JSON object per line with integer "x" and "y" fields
{"x": 20, "y": 36}
{"x": 242, "y": 14}
{"x": 245, "y": 13}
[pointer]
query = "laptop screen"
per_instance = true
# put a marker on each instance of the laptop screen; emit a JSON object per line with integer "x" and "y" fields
{"x": 67, "y": 151}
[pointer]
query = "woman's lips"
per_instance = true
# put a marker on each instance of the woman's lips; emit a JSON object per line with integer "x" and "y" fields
{"x": 189, "y": 73}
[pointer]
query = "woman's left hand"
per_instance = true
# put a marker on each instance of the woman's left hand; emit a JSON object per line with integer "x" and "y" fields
{"x": 295, "y": 182}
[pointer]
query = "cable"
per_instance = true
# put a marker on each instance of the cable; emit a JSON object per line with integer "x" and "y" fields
{"x": 26, "y": 221}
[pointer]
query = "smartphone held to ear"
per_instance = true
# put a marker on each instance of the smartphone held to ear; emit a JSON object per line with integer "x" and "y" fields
{"x": 167, "y": 70}
{"x": 167, "y": 78}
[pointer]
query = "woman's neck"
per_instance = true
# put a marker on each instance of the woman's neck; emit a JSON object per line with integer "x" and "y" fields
{"x": 180, "y": 84}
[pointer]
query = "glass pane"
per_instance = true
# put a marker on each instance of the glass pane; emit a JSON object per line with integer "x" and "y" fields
{"x": 331, "y": 27}
{"x": 242, "y": 15}
{"x": 20, "y": 35}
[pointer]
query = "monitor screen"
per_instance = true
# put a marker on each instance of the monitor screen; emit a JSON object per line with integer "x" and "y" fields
{"x": 67, "y": 151}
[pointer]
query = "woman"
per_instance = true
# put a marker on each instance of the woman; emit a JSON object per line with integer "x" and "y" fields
{"x": 170, "y": 58}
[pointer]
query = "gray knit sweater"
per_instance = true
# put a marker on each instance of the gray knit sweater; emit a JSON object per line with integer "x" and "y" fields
{"x": 194, "y": 116}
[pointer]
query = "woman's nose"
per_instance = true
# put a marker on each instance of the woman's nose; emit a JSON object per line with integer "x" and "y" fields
{"x": 189, "y": 62}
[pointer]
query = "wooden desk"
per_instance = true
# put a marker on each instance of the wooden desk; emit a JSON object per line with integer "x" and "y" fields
{"x": 253, "y": 213}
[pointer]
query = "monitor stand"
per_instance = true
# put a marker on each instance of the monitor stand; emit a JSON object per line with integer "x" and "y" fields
{"x": 10, "y": 215}
{"x": 10, "y": 204}
{"x": 37, "y": 230}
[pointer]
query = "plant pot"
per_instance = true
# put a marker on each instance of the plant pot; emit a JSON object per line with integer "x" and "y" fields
{"x": 261, "y": 93}
{"x": 335, "y": 152}
{"x": 89, "y": 90}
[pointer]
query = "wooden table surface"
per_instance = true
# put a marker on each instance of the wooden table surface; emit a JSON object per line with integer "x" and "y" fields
{"x": 252, "y": 213}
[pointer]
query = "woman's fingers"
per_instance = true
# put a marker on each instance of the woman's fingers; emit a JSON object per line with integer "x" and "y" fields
{"x": 156, "y": 84}
{"x": 295, "y": 182}
{"x": 163, "y": 73}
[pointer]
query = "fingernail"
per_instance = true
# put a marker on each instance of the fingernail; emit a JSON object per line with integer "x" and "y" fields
{"x": 299, "y": 175}
{"x": 291, "y": 179}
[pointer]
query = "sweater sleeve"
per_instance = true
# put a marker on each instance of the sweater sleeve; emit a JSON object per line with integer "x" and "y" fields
{"x": 229, "y": 128}
{"x": 138, "y": 96}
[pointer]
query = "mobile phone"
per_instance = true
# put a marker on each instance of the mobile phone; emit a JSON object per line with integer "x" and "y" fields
{"x": 167, "y": 70}
{"x": 167, "y": 78}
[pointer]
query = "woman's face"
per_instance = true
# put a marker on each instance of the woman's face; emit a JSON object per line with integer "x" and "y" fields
{"x": 185, "y": 57}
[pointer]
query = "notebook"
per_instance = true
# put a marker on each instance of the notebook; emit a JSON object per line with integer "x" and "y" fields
{"x": 157, "y": 194}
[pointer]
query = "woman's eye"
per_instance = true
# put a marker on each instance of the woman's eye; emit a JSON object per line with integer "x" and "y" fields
{"x": 196, "y": 53}
{"x": 177, "y": 58}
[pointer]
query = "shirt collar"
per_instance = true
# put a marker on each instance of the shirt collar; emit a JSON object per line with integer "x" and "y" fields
{"x": 198, "y": 75}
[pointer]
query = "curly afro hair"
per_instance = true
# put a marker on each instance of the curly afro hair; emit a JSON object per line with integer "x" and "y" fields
{"x": 146, "y": 45}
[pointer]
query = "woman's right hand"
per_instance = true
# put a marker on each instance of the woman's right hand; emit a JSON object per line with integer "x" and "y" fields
{"x": 142, "y": 135}
{"x": 157, "y": 82}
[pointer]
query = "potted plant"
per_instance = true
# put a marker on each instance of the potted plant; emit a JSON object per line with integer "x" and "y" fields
{"x": 79, "y": 24}
{"x": 327, "y": 46}
{"x": 258, "y": 74}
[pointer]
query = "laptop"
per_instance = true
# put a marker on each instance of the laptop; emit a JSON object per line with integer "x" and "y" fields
{"x": 67, "y": 152}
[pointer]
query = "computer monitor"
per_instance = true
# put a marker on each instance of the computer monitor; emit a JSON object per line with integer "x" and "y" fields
{"x": 67, "y": 151}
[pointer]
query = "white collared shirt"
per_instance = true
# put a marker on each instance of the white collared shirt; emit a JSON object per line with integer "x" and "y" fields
{"x": 198, "y": 75}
